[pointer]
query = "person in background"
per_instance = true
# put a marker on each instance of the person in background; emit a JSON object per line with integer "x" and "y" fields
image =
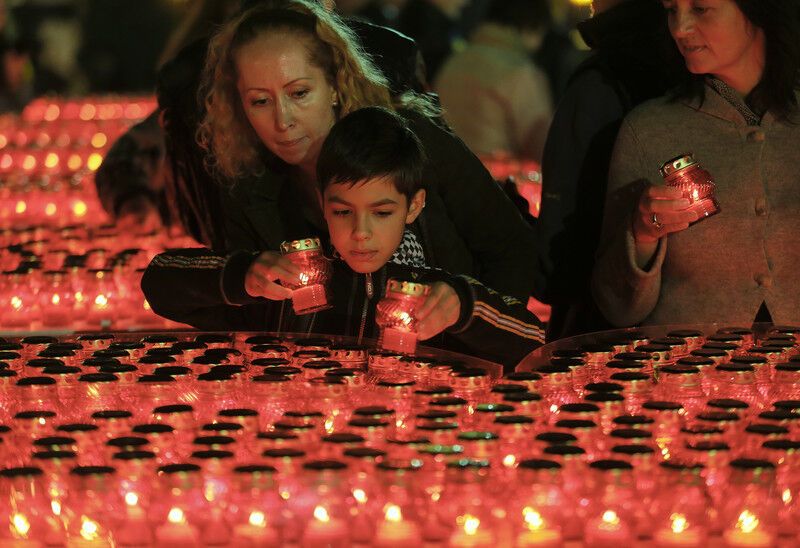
{"x": 370, "y": 174}
{"x": 633, "y": 60}
{"x": 435, "y": 26}
{"x": 737, "y": 113}
{"x": 276, "y": 80}
{"x": 504, "y": 106}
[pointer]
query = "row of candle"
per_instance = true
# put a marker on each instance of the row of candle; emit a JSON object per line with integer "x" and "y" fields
{"x": 77, "y": 277}
{"x": 301, "y": 397}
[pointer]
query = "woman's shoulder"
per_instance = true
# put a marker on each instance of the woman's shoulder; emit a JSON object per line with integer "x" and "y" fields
{"x": 660, "y": 110}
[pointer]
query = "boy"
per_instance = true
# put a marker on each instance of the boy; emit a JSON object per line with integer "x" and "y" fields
{"x": 369, "y": 173}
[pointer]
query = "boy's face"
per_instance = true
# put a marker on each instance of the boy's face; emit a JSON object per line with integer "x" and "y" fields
{"x": 366, "y": 220}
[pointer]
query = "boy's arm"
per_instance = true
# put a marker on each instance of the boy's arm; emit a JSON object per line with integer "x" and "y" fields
{"x": 493, "y": 326}
{"x": 205, "y": 290}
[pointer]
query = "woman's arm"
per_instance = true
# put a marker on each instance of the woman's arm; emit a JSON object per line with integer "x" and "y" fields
{"x": 626, "y": 292}
{"x": 500, "y": 241}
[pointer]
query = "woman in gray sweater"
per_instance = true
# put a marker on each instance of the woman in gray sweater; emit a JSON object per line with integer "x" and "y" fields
{"x": 738, "y": 115}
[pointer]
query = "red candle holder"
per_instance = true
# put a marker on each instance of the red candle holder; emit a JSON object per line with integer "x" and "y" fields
{"x": 310, "y": 294}
{"x": 695, "y": 183}
{"x": 396, "y": 315}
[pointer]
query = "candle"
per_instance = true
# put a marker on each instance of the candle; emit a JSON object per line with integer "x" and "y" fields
{"x": 176, "y": 532}
{"x": 90, "y": 536}
{"x": 135, "y": 530}
{"x": 256, "y": 532}
{"x": 396, "y": 532}
{"x": 324, "y": 531}
{"x": 536, "y": 532}
{"x": 747, "y": 533}
{"x": 607, "y": 531}
{"x": 20, "y": 526}
{"x": 678, "y": 535}
{"x": 471, "y": 534}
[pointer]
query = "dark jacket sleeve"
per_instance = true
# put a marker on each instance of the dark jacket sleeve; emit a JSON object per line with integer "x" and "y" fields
{"x": 206, "y": 290}
{"x": 491, "y": 326}
{"x": 133, "y": 167}
{"x": 499, "y": 240}
{"x": 574, "y": 176}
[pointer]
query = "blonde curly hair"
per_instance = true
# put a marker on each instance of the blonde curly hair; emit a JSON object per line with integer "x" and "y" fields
{"x": 234, "y": 149}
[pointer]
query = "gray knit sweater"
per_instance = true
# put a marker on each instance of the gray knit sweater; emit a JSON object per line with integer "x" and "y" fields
{"x": 722, "y": 268}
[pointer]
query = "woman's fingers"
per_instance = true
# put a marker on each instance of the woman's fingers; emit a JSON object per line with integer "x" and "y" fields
{"x": 661, "y": 211}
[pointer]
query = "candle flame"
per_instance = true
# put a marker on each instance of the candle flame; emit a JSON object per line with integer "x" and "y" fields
{"x": 20, "y": 208}
{"x": 101, "y": 300}
{"x": 131, "y": 498}
{"x": 257, "y": 519}
{"x": 786, "y": 496}
{"x": 405, "y": 318}
{"x": 533, "y": 519}
{"x": 176, "y": 515}
{"x": 509, "y": 461}
{"x": 89, "y": 528}
{"x": 55, "y": 299}
{"x": 360, "y": 496}
{"x": 304, "y": 278}
{"x": 678, "y": 523}
{"x": 21, "y": 524}
{"x": 748, "y": 522}
{"x": 285, "y": 495}
{"x": 79, "y": 208}
{"x": 50, "y": 209}
{"x": 321, "y": 514}
{"x": 55, "y": 506}
{"x": 79, "y": 296}
{"x": 16, "y": 302}
{"x": 471, "y": 524}
{"x": 393, "y": 513}
{"x": 609, "y": 520}
{"x": 695, "y": 195}
{"x": 329, "y": 425}
{"x": 94, "y": 161}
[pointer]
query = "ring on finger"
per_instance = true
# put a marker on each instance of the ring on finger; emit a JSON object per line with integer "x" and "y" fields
{"x": 655, "y": 222}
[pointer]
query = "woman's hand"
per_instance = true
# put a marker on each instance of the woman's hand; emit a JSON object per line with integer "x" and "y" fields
{"x": 266, "y": 270}
{"x": 439, "y": 311}
{"x": 661, "y": 211}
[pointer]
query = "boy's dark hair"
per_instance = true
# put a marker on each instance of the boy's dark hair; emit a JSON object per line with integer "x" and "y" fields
{"x": 370, "y": 143}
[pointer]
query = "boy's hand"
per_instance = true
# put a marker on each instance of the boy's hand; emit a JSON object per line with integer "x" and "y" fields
{"x": 439, "y": 311}
{"x": 265, "y": 271}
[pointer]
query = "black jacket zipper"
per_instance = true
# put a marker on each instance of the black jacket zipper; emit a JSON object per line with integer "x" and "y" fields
{"x": 370, "y": 291}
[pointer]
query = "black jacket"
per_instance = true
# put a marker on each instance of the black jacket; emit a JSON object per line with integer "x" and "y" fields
{"x": 205, "y": 290}
{"x": 468, "y": 225}
{"x": 634, "y": 60}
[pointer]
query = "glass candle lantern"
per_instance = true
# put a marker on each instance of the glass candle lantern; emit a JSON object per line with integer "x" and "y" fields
{"x": 310, "y": 293}
{"x": 540, "y": 506}
{"x": 681, "y": 514}
{"x": 694, "y": 182}
{"x": 611, "y": 513}
{"x": 396, "y": 315}
{"x": 27, "y": 509}
{"x": 750, "y": 510}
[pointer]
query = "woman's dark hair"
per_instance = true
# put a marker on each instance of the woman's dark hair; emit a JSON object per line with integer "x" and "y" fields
{"x": 369, "y": 143}
{"x": 780, "y": 21}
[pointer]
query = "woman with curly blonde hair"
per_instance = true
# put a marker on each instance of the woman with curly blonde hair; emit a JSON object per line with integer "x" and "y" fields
{"x": 277, "y": 78}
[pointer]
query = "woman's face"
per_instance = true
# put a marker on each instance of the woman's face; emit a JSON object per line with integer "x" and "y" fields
{"x": 286, "y": 98}
{"x": 716, "y": 38}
